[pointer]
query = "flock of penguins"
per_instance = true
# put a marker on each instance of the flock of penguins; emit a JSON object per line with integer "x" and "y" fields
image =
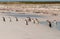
{"x": 28, "y": 20}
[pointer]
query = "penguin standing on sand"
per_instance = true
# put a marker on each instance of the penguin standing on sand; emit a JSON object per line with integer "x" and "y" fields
{"x": 37, "y": 20}
{"x": 50, "y": 25}
{"x": 26, "y": 22}
{"x": 29, "y": 19}
{"x": 3, "y": 19}
{"x": 33, "y": 21}
{"x": 10, "y": 19}
{"x": 16, "y": 18}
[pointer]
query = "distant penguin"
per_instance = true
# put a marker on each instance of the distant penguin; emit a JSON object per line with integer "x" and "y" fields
{"x": 10, "y": 19}
{"x": 16, "y": 18}
{"x": 3, "y": 19}
{"x": 33, "y": 21}
{"x": 37, "y": 20}
{"x": 54, "y": 24}
{"x": 29, "y": 19}
{"x": 50, "y": 25}
{"x": 26, "y": 22}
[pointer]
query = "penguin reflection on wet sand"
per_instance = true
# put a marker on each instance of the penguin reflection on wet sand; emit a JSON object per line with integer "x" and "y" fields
{"x": 26, "y": 22}
{"x": 3, "y": 19}
{"x": 16, "y": 18}
{"x": 50, "y": 25}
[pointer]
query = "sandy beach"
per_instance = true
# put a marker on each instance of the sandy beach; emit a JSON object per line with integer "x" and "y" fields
{"x": 29, "y": 21}
{"x": 19, "y": 30}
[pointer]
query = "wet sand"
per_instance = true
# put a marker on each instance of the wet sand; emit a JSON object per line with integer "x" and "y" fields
{"x": 19, "y": 29}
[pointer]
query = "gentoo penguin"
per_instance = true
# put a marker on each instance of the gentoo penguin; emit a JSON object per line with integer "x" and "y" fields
{"x": 37, "y": 20}
{"x": 3, "y": 19}
{"x": 26, "y": 22}
{"x": 16, "y": 18}
{"x": 29, "y": 19}
{"x": 50, "y": 25}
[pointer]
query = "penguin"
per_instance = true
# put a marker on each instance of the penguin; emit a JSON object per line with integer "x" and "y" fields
{"x": 4, "y": 19}
{"x": 26, "y": 22}
{"x": 10, "y": 19}
{"x": 37, "y": 20}
{"x": 16, "y": 18}
{"x": 50, "y": 25}
{"x": 33, "y": 21}
{"x": 29, "y": 19}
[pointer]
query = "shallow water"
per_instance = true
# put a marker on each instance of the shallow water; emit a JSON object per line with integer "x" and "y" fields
{"x": 56, "y": 26}
{"x": 24, "y": 15}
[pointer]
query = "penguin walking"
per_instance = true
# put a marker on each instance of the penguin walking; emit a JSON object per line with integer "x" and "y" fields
{"x": 37, "y": 20}
{"x": 16, "y": 18}
{"x": 33, "y": 21}
{"x": 50, "y": 25}
{"x": 3, "y": 19}
{"x": 29, "y": 19}
{"x": 10, "y": 19}
{"x": 26, "y": 22}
